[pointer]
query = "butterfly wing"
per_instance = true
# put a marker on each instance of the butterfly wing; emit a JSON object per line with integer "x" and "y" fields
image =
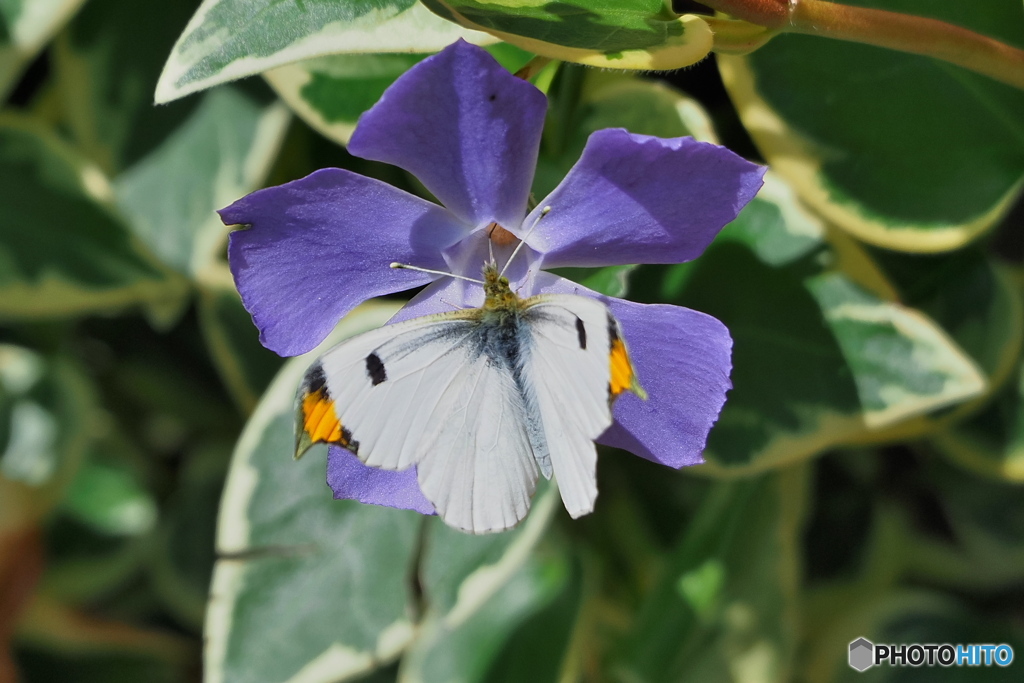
{"x": 569, "y": 387}
{"x": 423, "y": 392}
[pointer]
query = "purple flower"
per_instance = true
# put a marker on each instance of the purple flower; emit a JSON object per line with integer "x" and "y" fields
{"x": 470, "y": 132}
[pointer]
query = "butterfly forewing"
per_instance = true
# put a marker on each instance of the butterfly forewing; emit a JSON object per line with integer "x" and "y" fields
{"x": 424, "y": 392}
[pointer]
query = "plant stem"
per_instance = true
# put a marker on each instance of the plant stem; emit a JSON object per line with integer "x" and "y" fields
{"x": 904, "y": 32}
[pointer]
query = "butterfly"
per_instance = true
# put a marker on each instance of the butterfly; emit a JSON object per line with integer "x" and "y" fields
{"x": 479, "y": 400}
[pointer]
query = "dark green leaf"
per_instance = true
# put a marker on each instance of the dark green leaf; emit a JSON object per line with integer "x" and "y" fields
{"x": 912, "y": 153}
{"x": 246, "y": 366}
{"x": 25, "y": 28}
{"x": 63, "y": 251}
{"x": 817, "y": 360}
{"x": 725, "y": 608}
{"x": 105, "y": 67}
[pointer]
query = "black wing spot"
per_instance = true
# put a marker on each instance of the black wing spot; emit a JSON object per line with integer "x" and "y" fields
{"x": 492, "y": 97}
{"x": 348, "y": 442}
{"x": 315, "y": 379}
{"x": 613, "y": 329}
{"x": 375, "y": 369}
{"x": 581, "y": 332}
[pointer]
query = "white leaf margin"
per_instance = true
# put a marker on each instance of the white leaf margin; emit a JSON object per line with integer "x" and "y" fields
{"x": 233, "y": 531}
{"x": 414, "y": 30}
{"x": 28, "y": 32}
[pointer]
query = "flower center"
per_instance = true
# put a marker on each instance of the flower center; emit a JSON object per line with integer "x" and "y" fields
{"x": 500, "y": 236}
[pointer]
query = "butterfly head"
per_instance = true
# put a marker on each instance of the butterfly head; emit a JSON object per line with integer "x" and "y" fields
{"x": 498, "y": 294}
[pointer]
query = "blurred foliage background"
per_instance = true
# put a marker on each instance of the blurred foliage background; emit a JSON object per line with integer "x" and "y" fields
{"x": 865, "y": 477}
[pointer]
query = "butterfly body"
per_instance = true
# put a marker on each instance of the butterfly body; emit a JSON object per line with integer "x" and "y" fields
{"x": 481, "y": 401}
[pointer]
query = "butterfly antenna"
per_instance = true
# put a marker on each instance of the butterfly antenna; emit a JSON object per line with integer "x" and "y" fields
{"x": 543, "y": 212}
{"x": 403, "y": 266}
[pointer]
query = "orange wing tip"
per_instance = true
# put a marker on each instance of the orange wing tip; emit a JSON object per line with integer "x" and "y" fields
{"x": 623, "y": 375}
{"x": 316, "y": 419}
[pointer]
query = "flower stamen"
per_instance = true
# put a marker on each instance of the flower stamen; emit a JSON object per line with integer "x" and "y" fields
{"x": 543, "y": 212}
{"x": 404, "y": 266}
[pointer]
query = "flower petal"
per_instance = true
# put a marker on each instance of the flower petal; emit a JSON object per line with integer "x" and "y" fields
{"x": 683, "y": 359}
{"x": 642, "y": 199}
{"x": 349, "y": 478}
{"x": 466, "y": 127}
{"x": 319, "y": 246}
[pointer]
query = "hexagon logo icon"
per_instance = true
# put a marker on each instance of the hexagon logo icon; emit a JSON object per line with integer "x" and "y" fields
{"x": 862, "y": 654}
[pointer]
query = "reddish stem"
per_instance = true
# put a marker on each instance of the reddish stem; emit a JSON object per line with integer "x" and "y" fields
{"x": 770, "y": 13}
{"x": 916, "y": 35}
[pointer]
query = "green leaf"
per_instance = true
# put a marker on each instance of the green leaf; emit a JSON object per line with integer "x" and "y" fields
{"x": 48, "y": 412}
{"x": 992, "y": 442}
{"x": 976, "y": 303}
{"x": 817, "y": 360}
{"x": 63, "y": 251}
{"x": 913, "y": 154}
{"x": 541, "y": 647}
{"x": 105, "y": 66}
{"x": 476, "y": 590}
{"x": 726, "y": 605}
{"x": 331, "y": 92}
{"x": 460, "y": 572}
{"x": 182, "y": 561}
{"x": 975, "y": 553}
{"x": 775, "y": 226}
{"x": 618, "y": 34}
{"x": 222, "y": 152}
{"x": 607, "y": 25}
{"x": 229, "y": 39}
{"x": 37, "y": 665}
{"x": 332, "y": 575}
{"x": 84, "y": 563}
{"x": 100, "y": 535}
{"x": 245, "y": 366}
{"x": 108, "y": 498}
{"x": 643, "y": 106}
{"x": 902, "y": 364}
{"x": 467, "y": 651}
{"x": 25, "y": 28}
{"x": 985, "y": 521}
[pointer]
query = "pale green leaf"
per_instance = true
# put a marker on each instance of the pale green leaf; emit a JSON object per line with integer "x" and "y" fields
{"x": 465, "y": 652}
{"x": 230, "y": 39}
{"x": 222, "y": 152}
{"x": 332, "y": 576}
{"x": 46, "y": 415}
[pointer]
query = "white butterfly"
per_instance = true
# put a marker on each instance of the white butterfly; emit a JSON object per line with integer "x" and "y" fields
{"x": 479, "y": 400}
